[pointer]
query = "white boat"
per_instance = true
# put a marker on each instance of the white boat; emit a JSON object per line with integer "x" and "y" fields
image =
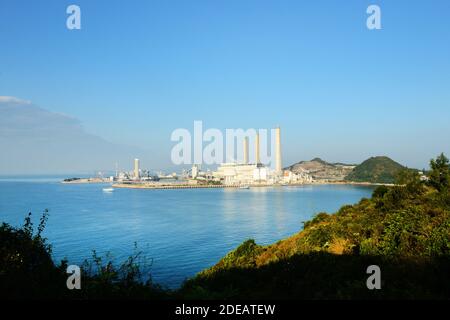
{"x": 244, "y": 187}
{"x": 108, "y": 190}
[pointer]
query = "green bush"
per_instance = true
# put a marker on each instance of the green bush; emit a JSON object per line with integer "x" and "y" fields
{"x": 28, "y": 271}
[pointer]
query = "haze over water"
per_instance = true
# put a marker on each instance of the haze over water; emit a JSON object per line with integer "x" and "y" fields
{"x": 183, "y": 231}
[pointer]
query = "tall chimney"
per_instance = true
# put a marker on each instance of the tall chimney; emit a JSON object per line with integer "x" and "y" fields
{"x": 257, "y": 159}
{"x": 136, "y": 168}
{"x": 246, "y": 150}
{"x": 278, "y": 168}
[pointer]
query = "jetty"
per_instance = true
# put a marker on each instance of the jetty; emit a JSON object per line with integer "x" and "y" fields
{"x": 179, "y": 186}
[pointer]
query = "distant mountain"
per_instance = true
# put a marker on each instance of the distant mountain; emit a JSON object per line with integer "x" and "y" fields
{"x": 376, "y": 170}
{"x": 322, "y": 170}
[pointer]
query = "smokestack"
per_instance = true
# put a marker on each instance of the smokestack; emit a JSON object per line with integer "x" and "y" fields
{"x": 278, "y": 168}
{"x": 257, "y": 159}
{"x": 136, "y": 168}
{"x": 246, "y": 150}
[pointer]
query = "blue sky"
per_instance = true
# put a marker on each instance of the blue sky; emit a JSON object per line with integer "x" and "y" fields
{"x": 137, "y": 70}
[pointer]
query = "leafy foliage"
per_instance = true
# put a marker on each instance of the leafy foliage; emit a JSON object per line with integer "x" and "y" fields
{"x": 28, "y": 271}
{"x": 439, "y": 177}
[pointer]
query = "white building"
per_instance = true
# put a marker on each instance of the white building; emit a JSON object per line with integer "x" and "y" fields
{"x": 299, "y": 177}
{"x": 194, "y": 171}
{"x": 242, "y": 174}
{"x": 256, "y": 173}
{"x": 251, "y": 173}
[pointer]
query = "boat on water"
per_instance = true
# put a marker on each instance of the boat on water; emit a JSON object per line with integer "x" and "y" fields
{"x": 244, "y": 187}
{"x": 108, "y": 190}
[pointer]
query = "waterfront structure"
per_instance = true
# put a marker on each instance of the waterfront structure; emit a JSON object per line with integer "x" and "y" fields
{"x": 300, "y": 177}
{"x": 278, "y": 168}
{"x": 234, "y": 173}
{"x": 245, "y": 173}
{"x": 194, "y": 171}
{"x": 246, "y": 150}
{"x": 136, "y": 169}
{"x": 228, "y": 174}
{"x": 257, "y": 159}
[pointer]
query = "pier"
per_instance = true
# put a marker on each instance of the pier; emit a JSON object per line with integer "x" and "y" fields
{"x": 179, "y": 186}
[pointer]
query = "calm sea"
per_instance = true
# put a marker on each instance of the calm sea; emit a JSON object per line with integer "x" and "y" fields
{"x": 181, "y": 231}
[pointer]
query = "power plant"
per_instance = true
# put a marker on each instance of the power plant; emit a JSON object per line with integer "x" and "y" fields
{"x": 239, "y": 173}
{"x": 245, "y": 173}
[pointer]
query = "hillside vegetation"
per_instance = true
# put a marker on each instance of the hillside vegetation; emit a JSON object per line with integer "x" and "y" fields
{"x": 376, "y": 170}
{"x": 403, "y": 229}
{"x": 28, "y": 271}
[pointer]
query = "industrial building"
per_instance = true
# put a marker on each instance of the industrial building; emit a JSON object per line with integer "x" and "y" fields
{"x": 239, "y": 174}
{"x": 136, "y": 169}
{"x": 245, "y": 173}
{"x": 242, "y": 173}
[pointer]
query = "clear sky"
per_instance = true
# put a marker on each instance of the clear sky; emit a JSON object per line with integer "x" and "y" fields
{"x": 137, "y": 70}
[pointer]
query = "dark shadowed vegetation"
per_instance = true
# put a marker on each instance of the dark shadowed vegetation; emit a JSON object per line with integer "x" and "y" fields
{"x": 27, "y": 270}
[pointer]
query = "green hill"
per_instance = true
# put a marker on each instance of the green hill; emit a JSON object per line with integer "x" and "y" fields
{"x": 376, "y": 170}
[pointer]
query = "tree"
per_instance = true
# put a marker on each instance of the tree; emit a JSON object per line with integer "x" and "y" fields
{"x": 410, "y": 179}
{"x": 439, "y": 176}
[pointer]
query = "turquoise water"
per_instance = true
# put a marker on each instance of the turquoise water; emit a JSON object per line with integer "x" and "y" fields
{"x": 182, "y": 231}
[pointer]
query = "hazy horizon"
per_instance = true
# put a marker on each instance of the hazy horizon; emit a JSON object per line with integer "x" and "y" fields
{"x": 50, "y": 142}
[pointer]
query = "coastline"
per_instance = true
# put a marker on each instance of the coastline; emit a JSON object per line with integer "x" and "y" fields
{"x": 187, "y": 186}
{"x": 356, "y": 183}
{"x": 86, "y": 181}
{"x": 214, "y": 186}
